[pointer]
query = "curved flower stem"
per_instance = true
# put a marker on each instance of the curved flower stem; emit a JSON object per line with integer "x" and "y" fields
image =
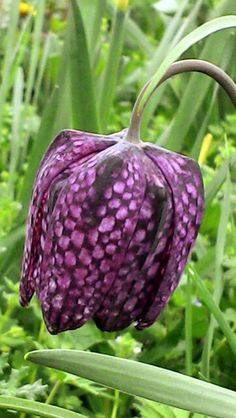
{"x": 133, "y": 134}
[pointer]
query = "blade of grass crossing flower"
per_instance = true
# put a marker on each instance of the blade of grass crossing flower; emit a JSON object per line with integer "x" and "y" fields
{"x": 188, "y": 328}
{"x": 142, "y": 380}
{"x": 34, "y": 57}
{"x": 37, "y": 408}
{"x": 218, "y": 279}
{"x": 10, "y": 40}
{"x": 208, "y": 300}
{"x": 84, "y": 113}
{"x": 111, "y": 71}
{"x": 16, "y": 123}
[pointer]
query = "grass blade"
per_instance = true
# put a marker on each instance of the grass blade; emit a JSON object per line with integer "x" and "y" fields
{"x": 143, "y": 380}
{"x": 84, "y": 114}
{"x": 35, "y": 50}
{"x": 111, "y": 71}
{"x": 15, "y": 137}
{"x": 42, "y": 66}
{"x": 38, "y": 408}
{"x": 216, "y": 183}
{"x": 11, "y": 34}
{"x": 218, "y": 279}
{"x": 213, "y": 308}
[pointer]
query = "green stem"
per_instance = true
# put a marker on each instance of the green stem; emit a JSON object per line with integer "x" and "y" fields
{"x": 188, "y": 328}
{"x": 53, "y": 392}
{"x": 116, "y": 404}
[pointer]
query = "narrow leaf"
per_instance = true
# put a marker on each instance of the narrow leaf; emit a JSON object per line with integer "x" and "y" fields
{"x": 84, "y": 112}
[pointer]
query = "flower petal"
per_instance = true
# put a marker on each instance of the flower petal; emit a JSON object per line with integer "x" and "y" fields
{"x": 88, "y": 236}
{"x": 129, "y": 293}
{"x": 184, "y": 178}
{"x": 68, "y": 148}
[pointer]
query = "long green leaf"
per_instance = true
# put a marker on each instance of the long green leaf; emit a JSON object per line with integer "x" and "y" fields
{"x": 142, "y": 380}
{"x": 38, "y": 408}
{"x": 215, "y": 25}
{"x": 111, "y": 71}
{"x": 84, "y": 112}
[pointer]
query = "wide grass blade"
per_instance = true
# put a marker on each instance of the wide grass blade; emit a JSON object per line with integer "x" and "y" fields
{"x": 143, "y": 380}
{"x": 109, "y": 81}
{"x": 84, "y": 113}
{"x": 37, "y": 408}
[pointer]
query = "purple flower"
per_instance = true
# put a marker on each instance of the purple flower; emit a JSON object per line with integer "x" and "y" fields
{"x": 109, "y": 231}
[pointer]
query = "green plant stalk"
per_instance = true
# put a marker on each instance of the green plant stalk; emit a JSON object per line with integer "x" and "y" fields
{"x": 213, "y": 308}
{"x": 115, "y": 404}
{"x": 218, "y": 280}
{"x": 188, "y": 328}
{"x": 37, "y": 408}
{"x": 143, "y": 380}
{"x": 111, "y": 71}
{"x": 53, "y": 392}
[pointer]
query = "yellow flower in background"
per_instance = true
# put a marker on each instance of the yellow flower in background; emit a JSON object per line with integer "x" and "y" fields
{"x": 26, "y": 9}
{"x": 122, "y": 4}
{"x": 205, "y": 148}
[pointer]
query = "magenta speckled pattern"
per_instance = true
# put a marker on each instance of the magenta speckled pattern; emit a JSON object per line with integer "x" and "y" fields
{"x": 109, "y": 230}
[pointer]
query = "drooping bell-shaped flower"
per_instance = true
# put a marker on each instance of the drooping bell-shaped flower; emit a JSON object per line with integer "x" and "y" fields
{"x": 110, "y": 227}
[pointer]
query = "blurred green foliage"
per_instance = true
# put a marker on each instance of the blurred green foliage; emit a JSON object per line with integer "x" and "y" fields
{"x": 37, "y": 49}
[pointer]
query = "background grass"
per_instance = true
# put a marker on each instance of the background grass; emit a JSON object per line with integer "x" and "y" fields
{"x": 54, "y": 76}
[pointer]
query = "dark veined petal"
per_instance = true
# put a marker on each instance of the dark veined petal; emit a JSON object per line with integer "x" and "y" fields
{"x": 95, "y": 215}
{"x": 68, "y": 148}
{"x": 185, "y": 182}
{"x": 134, "y": 282}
